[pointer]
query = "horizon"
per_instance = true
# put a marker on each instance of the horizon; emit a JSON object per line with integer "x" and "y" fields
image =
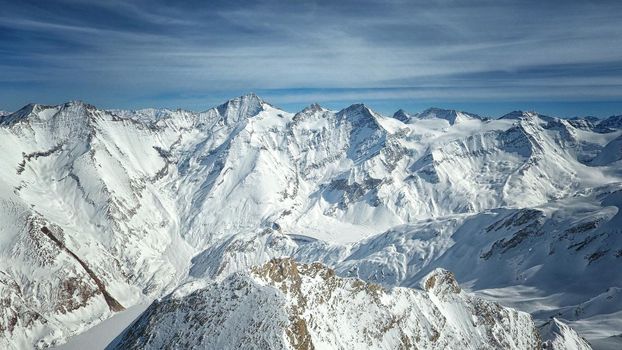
{"x": 557, "y": 58}
{"x": 330, "y": 106}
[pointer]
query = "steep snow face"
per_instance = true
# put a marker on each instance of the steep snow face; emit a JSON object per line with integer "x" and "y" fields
{"x": 84, "y": 228}
{"x": 102, "y": 210}
{"x": 284, "y": 305}
{"x": 560, "y": 336}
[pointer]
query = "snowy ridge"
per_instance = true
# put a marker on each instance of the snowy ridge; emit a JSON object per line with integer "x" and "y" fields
{"x": 452, "y": 116}
{"x": 449, "y": 115}
{"x": 137, "y": 203}
{"x": 295, "y": 306}
{"x": 562, "y": 337}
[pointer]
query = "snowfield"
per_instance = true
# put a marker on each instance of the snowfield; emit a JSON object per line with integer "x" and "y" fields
{"x": 104, "y": 210}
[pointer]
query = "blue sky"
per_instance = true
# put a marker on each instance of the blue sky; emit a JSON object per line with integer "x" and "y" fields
{"x": 562, "y": 58}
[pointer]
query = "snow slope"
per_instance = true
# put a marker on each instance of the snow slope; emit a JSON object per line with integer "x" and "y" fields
{"x": 99, "y": 336}
{"x": 106, "y": 209}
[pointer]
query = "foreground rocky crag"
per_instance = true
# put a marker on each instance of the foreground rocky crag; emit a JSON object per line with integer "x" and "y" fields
{"x": 285, "y": 305}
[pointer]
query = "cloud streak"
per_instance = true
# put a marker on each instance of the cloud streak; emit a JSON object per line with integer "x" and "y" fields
{"x": 128, "y": 54}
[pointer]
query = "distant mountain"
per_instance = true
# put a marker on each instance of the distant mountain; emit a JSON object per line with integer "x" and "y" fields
{"x": 101, "y": 210}
{"x": 450, "y": 115}
{"x": 610, "y": 124}
{"x": 402, "y": 116}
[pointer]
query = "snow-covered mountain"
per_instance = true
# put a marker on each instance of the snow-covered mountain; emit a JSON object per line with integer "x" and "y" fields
{"x": 451, "y": 116}
{"x": 106, "y": 209}
{"x": 284, "y": 305}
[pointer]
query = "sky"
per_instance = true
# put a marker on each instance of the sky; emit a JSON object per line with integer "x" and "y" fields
{"x": 562, "y": 58}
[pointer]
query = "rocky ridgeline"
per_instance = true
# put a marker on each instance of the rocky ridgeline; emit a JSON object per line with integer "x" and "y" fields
{"x": 286, "y": 305}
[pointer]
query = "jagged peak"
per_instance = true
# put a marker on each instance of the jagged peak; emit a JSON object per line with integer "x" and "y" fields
{"x": 613, "y": 122}
{"x": 31, "y": 108}
{"x": 77, "y": 103}
{"x": 36, "y": 107}
{"x": 451, "y": 115}
{"x": 359, "y": 114}
{"x": 558, "y": 335}
{"x": 402, "y": 115}
{"x": 250, "y": 99}
{"x": 241, "y": 107}
{"x": 76, "y": 106}
{"x": 440, "y": 282}
{"x": 23, "y": 113}
{"x": 589, "y": 118}
{"x": 528, "y": 115}
{"x": 514, "y": 115}
{"x": 146, "y": 114}
{"x": 585, "y": 122}
{"x": 314, "y": 107}
{"x": 518, "y": 114}
{"x": 439, "y": 110}
{"x": 43, "y": 112}
{"x": 356, "y": 109}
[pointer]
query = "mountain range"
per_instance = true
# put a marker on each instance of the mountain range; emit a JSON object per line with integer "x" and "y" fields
{"x": 249, "y": 226}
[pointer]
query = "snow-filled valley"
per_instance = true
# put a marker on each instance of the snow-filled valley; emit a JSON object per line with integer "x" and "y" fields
{"x": 253, "y": 227}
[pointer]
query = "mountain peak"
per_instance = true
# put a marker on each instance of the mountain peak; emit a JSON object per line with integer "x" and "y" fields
{"x": 78, "y": 103}
{"x": 440, "y": 281}
{"x": 514, "y": 115}
{"x": 314, "y": 107}
{"x": 401, "y": 115}
{"x": 360, "y": 113}
{"x": 21, "y": 114}
{"x": 609, "y": 124}
{"x": 250, "y": 99}
{"x": 306, "y": 306}
{"x": 357, "y": 108}
{"x": 518, "y": 114}
{"x": 558, "y": 335}
{"x": 451, "y": 115}
{"x": 44, "y": 112}
{"x": 241, "y": 107}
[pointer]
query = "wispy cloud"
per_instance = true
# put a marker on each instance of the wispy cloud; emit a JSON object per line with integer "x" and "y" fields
{"x": 129, "y": 53}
